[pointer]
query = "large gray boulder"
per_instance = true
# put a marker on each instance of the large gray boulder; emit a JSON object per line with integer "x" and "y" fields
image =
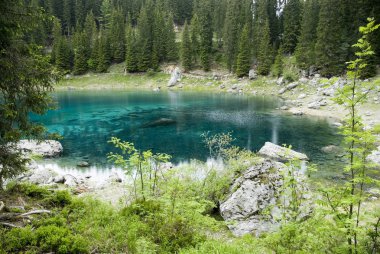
{"x": 280, "y": 153}
{"x": 252, "y": 74}
{"x": 175, "y": 77}
{"x": 257, "y": 200}
{"x": 46, "y": 148}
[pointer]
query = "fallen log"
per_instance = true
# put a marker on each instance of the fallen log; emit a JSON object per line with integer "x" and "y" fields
{"x": 9, "y": 225}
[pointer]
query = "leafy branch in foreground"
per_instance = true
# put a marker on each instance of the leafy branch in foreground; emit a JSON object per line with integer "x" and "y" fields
{"x": 143, "y": 165}
{"x": 346, "y": 202}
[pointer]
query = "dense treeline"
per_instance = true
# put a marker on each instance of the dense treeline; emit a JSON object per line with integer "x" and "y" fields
{"x": 240, "y": 34}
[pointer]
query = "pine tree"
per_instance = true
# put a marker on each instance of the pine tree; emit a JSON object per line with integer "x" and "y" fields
{"x": 80, "y": 53}
{"x": 305, "y": 50}
{"x": 278, "y": 63}
{"x": 145, "y": 35}
{"x": 206, "y": 34}
{"x": 91, "y": 33}
{"x": 264, "y": 57}
{"x": 104, "y": 53}
{"x": 172, "y": 51}
{"x": 292, "y": 19}
{"x": 94, "y": 59}
{"x": 243, "y": 58}
{"x": 331, "y": 49}
{"x": 232, "y": 28}
{"x": 117, "y": 36}
{"x": 195, "y": 40}
{"x": 63, "y": 55}
{"x": 131, "y": 61}
{"x": 186, "y": 48}
{"x": 57, "y": 35}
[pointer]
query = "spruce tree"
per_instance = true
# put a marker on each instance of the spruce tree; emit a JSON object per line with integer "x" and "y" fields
{"x": 172, "y": 51}
{"x": 80, "y": 53}
{"x": 104, "y": 53}
{"x": 243, "y": 58}
{"x": 278, "y": 63}
{"x": 305, "y": 50}
{"x": 57, "y": 35}
{"x": 117, "y": 36}
{"x": 131, "y": 61}
{"x": 186, "y": 49}
{"x": 331, "y": 49}
{"x": 292, "y": 19}
{"x": 206, "y": 34}
{"x": 145, "y": 35}
{"x": 63, "y": 55}
{"x": 232, "y": 28}
{"x": 94, "y": 59}
{"x": 264, "y": 57}
{"x": 195, "y": 40}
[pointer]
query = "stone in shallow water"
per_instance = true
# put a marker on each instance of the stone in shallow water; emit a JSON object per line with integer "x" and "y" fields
{"x": 280, "y": 153}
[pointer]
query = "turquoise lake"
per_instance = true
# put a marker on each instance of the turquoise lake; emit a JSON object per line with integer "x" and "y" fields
{"x": 87, "y": 120}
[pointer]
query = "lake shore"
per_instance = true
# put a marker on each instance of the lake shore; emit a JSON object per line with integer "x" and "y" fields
{"x": 299, "y": 100}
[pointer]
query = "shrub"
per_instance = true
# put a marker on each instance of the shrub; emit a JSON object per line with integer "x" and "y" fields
{"x": 32, "y": 190}
{"x": 59, "y": 198}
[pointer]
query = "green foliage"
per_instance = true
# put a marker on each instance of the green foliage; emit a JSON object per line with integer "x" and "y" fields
{"x": 59, "y": 198}
{"x": 144, "y": 164}
{"x": 186, "y": 49}
{"x": 47, "y": 235}
{"x": 305, "y": 51}
{"x": 292, "y": 20}
{"x": 330, "y": 48}
{"x": 264, "y": 57}
{"x": 346, "y": 202}
{"x": 278, "y": 66}
{"x": 31, "y": 190}
{"x": 243, "y": 64}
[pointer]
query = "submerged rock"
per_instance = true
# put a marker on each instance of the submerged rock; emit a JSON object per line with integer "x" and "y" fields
{"x": 253, "y": 204}
{"x": 159, "y": 122}
{"x": 46, "y": 149}
{"x": 331, "y": 149}
{"x": 83, "y": 164}
{"x": 280, "y": 153}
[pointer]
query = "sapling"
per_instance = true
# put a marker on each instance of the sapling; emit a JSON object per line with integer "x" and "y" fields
{"x": 346, "y": 202}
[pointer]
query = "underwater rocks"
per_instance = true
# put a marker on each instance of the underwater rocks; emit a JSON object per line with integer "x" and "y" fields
{"x": 46, "y": 148}
{"x": 256, "y": 201}
{"x": 159, "y": 122}
{"x": 279, "y": 153}
{"x": 375, "y": 156}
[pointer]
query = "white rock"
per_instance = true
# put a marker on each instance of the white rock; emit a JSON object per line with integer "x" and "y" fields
{"x": 280, "y": 81}
{"x": 46, "y": 149}
{"x": 252, "y": 74}
{"x": 257, "y": 191}
{"x": 280, "y": 153}
{"x": 314, "y": 105}
{"x": 302, "y": 96}
{"x": 175, "y": 77}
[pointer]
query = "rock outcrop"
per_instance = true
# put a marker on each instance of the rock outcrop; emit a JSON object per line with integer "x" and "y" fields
{"x": 279, "y": 153}
{"x": 46, "y": 149}
{"x": 255, "y": 204}
{"x": 175, "y": 77}
{"x": 252, "y": 74}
